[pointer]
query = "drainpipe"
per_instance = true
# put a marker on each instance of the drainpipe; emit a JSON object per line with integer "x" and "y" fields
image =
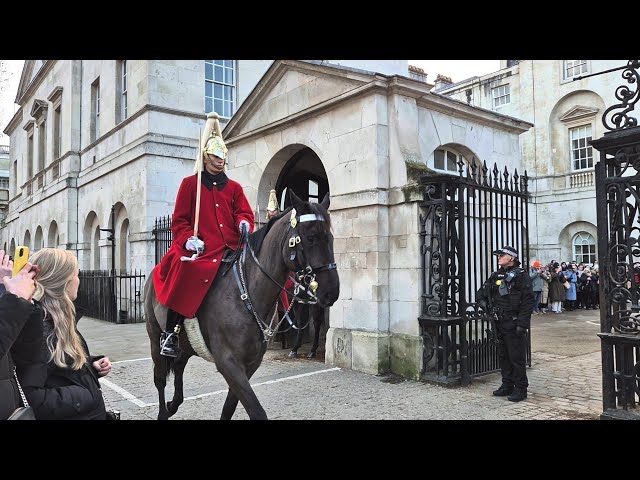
{"x": 535, "y": 157}
{"x": 79, "y": 168}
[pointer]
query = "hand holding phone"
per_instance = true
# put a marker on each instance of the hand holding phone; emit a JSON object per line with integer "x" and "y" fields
{"x": 20, "y": 259}
{"x": 22, "y": 284}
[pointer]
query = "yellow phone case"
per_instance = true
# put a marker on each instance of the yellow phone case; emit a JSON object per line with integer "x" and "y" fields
{"x": 20, "y": 258}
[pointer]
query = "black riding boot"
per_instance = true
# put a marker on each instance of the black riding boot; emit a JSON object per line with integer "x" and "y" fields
{"x": 169, "y": 343}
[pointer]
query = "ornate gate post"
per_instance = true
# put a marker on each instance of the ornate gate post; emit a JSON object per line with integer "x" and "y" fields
{"x": 618, "y": 213}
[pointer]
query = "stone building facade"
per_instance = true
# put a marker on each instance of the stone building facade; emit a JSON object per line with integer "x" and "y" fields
{"x": 4, "y": 182}
{"x": 96, "y": 139}
{"x": 556, "y": 154}
{"x": 362, "y": 134}
{"x": 370, "y": 136}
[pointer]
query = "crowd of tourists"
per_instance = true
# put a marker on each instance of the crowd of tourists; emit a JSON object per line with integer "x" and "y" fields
{"x": 564, "y": 286}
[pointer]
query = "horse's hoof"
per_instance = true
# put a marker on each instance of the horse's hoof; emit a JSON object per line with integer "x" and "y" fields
{"x": 293, "y": 354}
{"x": 311, "y": 355}
{"x": 171, "y": 409}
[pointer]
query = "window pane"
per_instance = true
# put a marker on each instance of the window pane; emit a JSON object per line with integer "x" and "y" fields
{"x": 208, "y": 71}
{"x": 208, "y": 89}
{"x": 217, "y": 106}
{"x": 218, "y": 74}
{"x": 208, "y": 105}
{"x": 313, "y": 188}
{"x": 438, "y": 159}
{"x": 227, "y": 92}
{"x": 451, "y": 161}
{"x": 217, "y": 90}
{"x": 228, "y": 76}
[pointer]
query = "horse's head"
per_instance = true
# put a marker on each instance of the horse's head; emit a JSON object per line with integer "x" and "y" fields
{"x": 309, "y": 247}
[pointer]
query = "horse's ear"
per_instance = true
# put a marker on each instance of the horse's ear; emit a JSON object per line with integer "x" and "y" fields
{"x": 295, "y": 200}
{"x": 326, "y": 201}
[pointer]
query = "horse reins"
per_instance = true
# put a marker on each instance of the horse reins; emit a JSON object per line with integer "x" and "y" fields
{"x": 306, "y": 274}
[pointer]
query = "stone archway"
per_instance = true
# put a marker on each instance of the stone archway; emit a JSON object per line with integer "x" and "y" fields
{"x": 295, "y": 166}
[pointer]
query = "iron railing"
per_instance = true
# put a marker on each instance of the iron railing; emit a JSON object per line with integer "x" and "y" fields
{"x": 114, "y": 298}
{"x": 163, "y": 236}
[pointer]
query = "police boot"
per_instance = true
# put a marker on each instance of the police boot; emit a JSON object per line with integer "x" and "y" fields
{"x": 517, "y": 395}
{"x": 503, "y": 391}
{"x": 169, "y": 344}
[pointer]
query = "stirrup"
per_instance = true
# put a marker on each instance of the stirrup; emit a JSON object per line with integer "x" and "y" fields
{"x": 169, "y": 344}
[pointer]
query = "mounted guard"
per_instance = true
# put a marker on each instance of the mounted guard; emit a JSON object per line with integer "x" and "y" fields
{"x": 205, "y": 224}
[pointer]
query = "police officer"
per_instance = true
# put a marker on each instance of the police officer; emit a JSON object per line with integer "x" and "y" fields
{"x": 509, "y": 294}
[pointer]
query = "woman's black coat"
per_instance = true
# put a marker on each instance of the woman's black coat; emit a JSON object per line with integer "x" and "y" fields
{"x": 20, "y": 336}
{"x": 57, "y": 393}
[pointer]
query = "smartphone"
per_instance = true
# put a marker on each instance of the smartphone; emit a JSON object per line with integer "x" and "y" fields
{"x": 20, "y": 258}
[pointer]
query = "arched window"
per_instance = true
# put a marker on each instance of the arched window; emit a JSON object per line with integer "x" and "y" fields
{"x": 584, "y": 248}
{"x": 447, "y": 159}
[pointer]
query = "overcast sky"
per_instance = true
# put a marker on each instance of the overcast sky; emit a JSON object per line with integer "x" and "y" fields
{"x": 457, "y": 70}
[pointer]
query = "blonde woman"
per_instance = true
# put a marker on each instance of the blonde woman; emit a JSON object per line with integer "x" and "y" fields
{"x": 64, "y": 384}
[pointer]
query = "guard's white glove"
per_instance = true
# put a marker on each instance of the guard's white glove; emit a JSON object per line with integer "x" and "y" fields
{"x": 194, "y": 244}
{"x": 243, "y": 225}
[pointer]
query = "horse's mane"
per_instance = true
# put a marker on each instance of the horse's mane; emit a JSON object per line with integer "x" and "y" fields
{"x": 256, "y": 239}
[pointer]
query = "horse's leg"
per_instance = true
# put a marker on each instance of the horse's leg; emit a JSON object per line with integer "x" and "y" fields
{"x": 318, "y": 318}
{"x": 160, "y": 364}
{"x": 294, "y": 351}
{"x": 231, "y": 402}
{"x": 160, "y": 369}
{"x": 237, "y": 378}
{"x": 229, "y": 407}
{"x": 179, "y": 364}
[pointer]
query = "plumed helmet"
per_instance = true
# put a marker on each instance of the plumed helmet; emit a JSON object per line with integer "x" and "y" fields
{"x": 272, "y": 206}
{"x": 211, "y": 141}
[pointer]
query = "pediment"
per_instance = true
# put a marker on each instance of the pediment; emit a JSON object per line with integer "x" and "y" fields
{"x": 29, "y": 72}
{"x": 292, "y": 87}
{"x": 39, "y": 108}
{"x": 578, "y": 112}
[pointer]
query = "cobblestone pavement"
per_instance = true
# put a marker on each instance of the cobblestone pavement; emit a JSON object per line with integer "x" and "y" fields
{"x": 565, "y": 382}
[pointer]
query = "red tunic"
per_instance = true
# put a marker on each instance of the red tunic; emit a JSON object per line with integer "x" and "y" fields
{"x": 179, "y": 285}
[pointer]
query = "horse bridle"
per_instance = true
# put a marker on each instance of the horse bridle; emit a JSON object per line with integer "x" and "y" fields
{"x": 304, "y": 279}
{"x": 306, "y": 274}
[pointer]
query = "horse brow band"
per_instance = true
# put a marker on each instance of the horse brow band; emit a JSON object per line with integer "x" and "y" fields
{"x": 310, "y": 217}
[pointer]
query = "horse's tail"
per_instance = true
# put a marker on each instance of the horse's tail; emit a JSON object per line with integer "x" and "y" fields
{"x": 170, "y": 366}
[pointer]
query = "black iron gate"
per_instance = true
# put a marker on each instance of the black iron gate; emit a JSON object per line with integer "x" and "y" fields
{"x": 463, "y": 219}
{"x": 618, "y": 210}
{"x": 163, "y": 236}
{"x": 112, "y": 296}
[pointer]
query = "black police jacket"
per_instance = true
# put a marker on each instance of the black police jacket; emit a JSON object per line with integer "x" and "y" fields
{"x": 518, "y": 301}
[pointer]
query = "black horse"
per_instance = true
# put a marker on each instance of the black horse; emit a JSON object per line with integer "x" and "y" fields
{"x": 233, "y": 316}
{"x": 304, "y": 313}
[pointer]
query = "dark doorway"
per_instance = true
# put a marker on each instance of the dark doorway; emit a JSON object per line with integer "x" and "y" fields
{"x": 305, "y": 175}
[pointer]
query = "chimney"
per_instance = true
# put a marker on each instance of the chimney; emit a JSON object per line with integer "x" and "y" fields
{"x": 417, "y": 73}
{"x": 442, "y": 82}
